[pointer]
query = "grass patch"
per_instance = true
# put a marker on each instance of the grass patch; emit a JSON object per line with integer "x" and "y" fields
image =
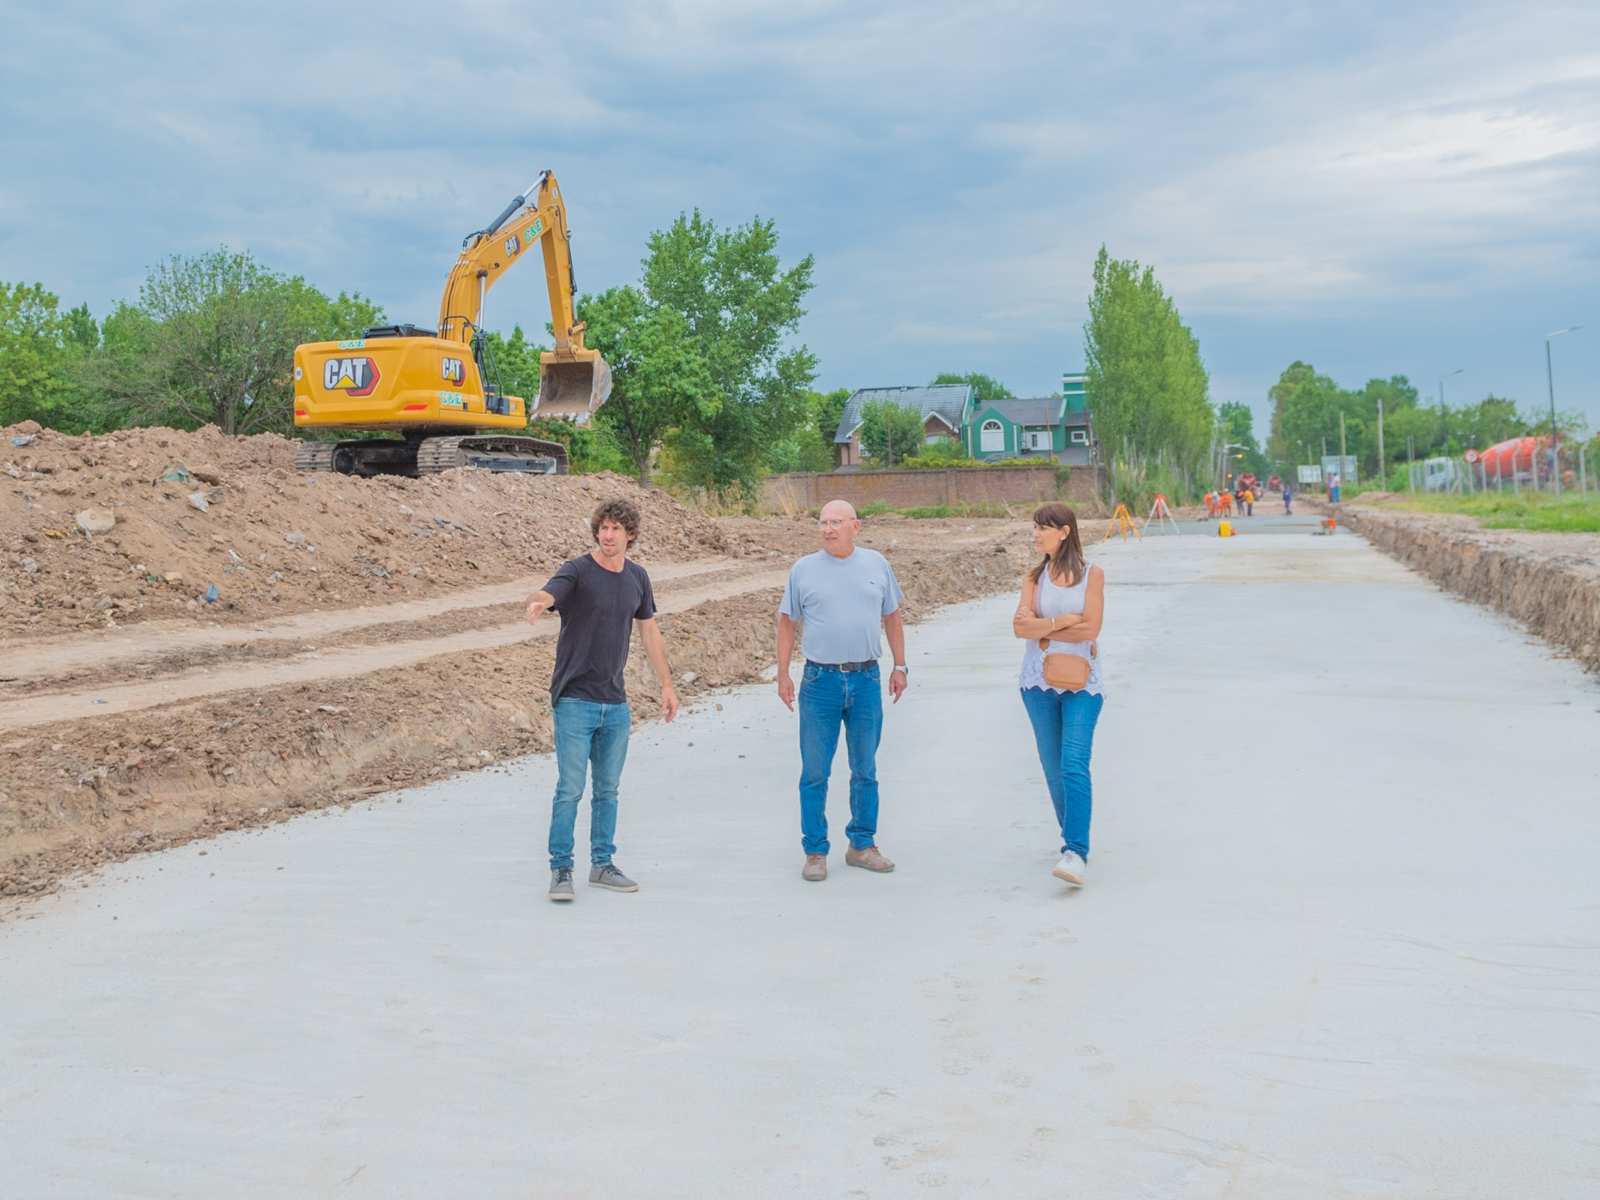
{"x": 1538, "y": 512}
{"x": 928, "y": 511}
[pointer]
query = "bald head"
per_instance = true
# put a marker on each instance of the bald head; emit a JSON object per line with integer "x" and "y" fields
{"x": 839, "y": 528}
{"x": 839, "y": 508}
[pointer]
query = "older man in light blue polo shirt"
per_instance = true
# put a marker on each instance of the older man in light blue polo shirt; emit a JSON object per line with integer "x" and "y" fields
{"x": 841, "y": 595}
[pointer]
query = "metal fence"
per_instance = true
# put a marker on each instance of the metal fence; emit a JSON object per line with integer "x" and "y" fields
{"x": 1536, "y": 468}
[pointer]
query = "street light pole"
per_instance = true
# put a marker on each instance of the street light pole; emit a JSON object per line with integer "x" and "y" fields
{"x": 1442, "y": 378}
{"x": 1550, "y": 382}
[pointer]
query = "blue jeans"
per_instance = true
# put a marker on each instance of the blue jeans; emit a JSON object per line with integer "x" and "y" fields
{"x": 587, "y": 733}
{"x": 1063, "y": 728}
{"x": 827, "y": 699}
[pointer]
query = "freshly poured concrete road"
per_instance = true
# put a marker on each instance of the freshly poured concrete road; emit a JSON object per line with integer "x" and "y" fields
{"x": 1341, "y": 939}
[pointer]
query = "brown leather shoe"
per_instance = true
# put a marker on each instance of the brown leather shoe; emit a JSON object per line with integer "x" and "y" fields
{"x": 816, "y": 868}
{"x": 869, "y": 858}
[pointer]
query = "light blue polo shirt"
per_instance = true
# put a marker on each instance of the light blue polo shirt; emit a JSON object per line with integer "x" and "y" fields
{"x": 842, "y": 603}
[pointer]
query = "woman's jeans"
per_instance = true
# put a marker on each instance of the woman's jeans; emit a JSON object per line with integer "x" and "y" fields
{"x": 1063, "y": 728}
{"x": 827, "y": 700}
{"x": 588, "y": 733}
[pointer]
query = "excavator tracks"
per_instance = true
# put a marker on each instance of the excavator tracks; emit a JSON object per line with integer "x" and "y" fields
{"x": 430, "y": 456}
{"x": 314, "y": 456}
{"x": 491, "y": 452}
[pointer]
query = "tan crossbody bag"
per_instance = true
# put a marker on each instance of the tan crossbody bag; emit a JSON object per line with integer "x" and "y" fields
{"x": 1069, "y": 672}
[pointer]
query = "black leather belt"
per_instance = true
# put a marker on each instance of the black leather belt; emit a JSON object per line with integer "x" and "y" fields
{"x": 870, "y": 665}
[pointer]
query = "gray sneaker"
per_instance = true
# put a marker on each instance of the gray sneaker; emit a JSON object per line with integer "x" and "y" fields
{"x": 561, "y": 884}
{"x": 611, "y": 879}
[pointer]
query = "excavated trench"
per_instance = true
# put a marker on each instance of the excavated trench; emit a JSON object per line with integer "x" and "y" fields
{"x": 1549, "y": 582}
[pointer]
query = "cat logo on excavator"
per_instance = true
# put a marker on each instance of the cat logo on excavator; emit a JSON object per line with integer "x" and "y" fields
{"x": 352, "y": 376}
{"x": 454, "y": 370}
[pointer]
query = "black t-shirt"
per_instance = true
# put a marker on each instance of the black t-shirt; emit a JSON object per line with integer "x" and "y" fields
{"x": 598, "y": 608}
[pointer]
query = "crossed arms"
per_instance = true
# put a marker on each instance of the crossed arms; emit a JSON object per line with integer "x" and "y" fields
{"x": 1069, "y": 627}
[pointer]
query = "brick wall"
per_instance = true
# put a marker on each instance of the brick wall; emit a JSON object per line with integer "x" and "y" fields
{"x": 918, "y": 489}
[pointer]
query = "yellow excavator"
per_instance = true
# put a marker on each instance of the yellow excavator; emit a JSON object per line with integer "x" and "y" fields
{"x": 439, "y": 389}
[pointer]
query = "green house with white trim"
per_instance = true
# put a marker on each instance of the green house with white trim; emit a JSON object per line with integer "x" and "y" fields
{"x": 1048, "y": 427}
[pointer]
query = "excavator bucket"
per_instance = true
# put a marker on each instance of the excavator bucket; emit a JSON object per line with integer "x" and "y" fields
{"x": 572, "y": 384}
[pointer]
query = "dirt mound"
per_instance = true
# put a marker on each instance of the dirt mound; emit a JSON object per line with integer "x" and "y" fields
{"x": 159, "y": 523}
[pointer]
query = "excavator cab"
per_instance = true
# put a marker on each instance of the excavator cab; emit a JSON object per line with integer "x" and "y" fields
{"x": 572, "y": 384}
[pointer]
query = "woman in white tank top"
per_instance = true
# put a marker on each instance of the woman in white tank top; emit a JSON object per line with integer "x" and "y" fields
{"x": 1062, "y": 604}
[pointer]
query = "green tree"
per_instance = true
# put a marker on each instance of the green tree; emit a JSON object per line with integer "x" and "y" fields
{"x": 738, "y": 307}
{"x": 1236, "y": 427}
{"x": 1147, "y": 382}
{"x": 984, "y": 387}
{"x": 659, "y": 379}
{"x": 32, "y": 355}
{"x": 890, "y": 433}
{"x": 827, "y": 410}
{"x": 220, "y": 345}
{"x": 1492, "y": 419}
{"x": 1305, "y": 415}
{"x": 513, "y": 363}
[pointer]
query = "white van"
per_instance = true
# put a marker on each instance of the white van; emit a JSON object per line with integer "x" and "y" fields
{"x": 1439, "y": 474}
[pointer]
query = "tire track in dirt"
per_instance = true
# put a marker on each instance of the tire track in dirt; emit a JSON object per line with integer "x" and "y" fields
{"x": 58, "y": 656}
{"x": 345, "y": 664}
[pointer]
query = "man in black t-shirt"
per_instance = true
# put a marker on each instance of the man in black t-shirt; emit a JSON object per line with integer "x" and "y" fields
{"x": 599, "y": 596}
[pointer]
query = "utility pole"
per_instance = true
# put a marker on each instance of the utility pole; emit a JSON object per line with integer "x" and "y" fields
{"x": 1550, "y": 382}
{"x": 1411, "y": 462}
{"x": 1383, "y": 463}
{"x": 1341, "y": 449}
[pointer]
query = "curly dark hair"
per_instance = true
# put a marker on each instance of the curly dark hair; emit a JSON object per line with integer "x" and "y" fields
{"x": 623, "y": 512}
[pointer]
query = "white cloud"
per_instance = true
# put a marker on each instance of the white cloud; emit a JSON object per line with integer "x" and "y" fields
{"x": 953, "y": 168}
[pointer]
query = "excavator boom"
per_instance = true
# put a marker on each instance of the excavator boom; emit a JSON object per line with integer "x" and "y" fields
{"x": 573, "y": 380}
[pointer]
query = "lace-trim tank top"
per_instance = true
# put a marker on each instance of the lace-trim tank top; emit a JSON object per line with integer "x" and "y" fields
{"x": 1051, "y": 599}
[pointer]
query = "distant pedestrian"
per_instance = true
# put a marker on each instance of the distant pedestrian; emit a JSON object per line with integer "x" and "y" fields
{"x": 841, "y": 595}
{"x": 599, "y": 597}
{"x": 1059, "y": 614}
{"x": 1333, "y": 488}
{"x": 1288, "y": 500}
{"x": 1249, "y": 503}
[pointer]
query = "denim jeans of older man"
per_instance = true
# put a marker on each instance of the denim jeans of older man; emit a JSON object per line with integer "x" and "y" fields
{"x": 830, "y": 699}
{"x": 592, "y": 740}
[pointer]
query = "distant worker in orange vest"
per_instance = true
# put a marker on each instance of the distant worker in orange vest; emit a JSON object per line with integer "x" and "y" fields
{"x": 1224, "y": 503}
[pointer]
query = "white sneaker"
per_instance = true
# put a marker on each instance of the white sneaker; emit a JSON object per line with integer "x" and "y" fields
{"x": 1070, "y": 869}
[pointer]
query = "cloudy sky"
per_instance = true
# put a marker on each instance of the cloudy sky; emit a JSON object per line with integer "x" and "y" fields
{"x": 1378, "y": 189}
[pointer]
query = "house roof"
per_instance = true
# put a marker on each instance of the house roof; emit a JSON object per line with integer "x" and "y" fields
{"x": 947, "y": 401}
{"x": 1042, "y": 410}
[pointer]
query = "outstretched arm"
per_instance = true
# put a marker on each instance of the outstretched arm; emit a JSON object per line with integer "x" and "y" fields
{"x": 540, "y": 603}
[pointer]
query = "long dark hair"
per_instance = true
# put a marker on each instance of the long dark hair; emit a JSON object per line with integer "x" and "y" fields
{"x": 1068, "y": 558}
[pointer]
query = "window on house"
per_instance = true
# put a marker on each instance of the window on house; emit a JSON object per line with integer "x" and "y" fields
{"x": 1080, "y": 437}
{"x": 991, "y": 437}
